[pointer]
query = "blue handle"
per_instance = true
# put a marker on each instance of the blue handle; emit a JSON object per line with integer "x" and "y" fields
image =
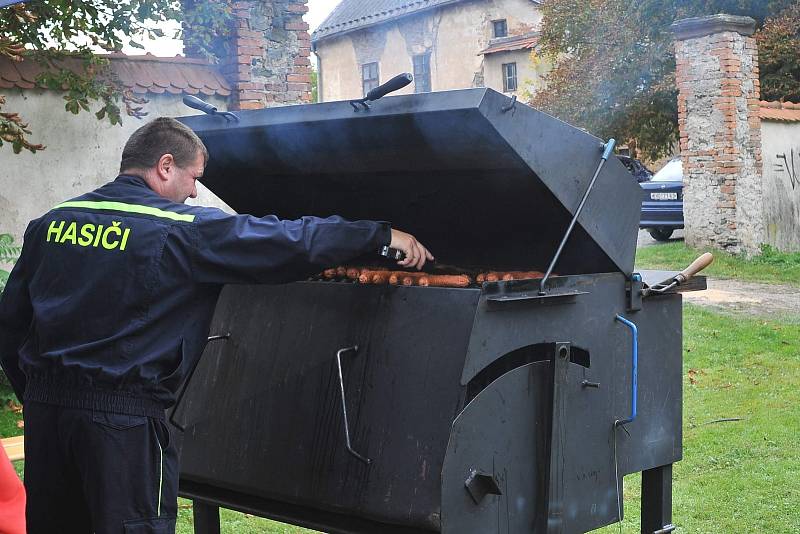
{"x": 609, "y": 148}
{"x": 634, "y": 368}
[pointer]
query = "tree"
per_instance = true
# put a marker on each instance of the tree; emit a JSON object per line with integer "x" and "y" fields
{"x": 614, "y": 65}
{"x": 64, "y": 35}
{"x": 779, "y": 60}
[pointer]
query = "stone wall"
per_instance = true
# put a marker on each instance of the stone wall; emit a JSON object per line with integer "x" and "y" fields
{"x": 720, "y": 132}
{"x": 268, "y": 53}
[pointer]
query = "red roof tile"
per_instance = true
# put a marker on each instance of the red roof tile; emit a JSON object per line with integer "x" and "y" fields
{"x": 142, "y": 74}
{"x": 780, "y": 111}
{"x": 510, "y": 44}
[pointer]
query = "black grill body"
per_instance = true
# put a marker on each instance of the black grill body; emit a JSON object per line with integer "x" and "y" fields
{"x": 485, "y": 409}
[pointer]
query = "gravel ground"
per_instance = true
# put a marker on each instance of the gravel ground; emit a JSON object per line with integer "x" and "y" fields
{"x": 646, "y": 241}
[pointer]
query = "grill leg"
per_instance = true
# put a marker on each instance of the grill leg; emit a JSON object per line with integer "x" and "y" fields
{"x": 206, "y": 518}
{"x": 657, "y": 500}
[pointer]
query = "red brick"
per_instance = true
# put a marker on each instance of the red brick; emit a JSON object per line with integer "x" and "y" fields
{"x": 298, "y": 26}
{"x": 249, "y": 51}
{"x": 250, "y": 34}
{"x": 299, "y": 78}
{"x": 298, "y": 87}
{"x": 251, "y": 105}
{"x": 297, "y": 8}
{"x": 250, "y": 43}
{"x": 250, "y": 95}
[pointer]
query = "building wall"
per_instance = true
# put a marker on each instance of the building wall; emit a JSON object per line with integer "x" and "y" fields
{"x": 454, "y": 35}
{"x": 82, "y": 154}
{"x": 529, "y": 72}
{"x": 781, "y": 153}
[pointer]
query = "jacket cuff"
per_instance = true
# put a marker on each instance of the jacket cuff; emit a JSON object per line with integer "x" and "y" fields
{"x": 384, "y": 234}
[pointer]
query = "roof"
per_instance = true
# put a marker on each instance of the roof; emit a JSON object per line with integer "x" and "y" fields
{"x": 142, "y": 74}
{"x": 780, "y": 111}
{"x": 352, "y": 15}
{"x": 510, "y": 44}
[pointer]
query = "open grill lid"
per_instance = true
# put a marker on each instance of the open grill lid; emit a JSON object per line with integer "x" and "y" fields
{"x": 480, "y": 186}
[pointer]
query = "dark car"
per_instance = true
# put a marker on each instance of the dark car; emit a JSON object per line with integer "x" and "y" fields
{"x": 636, "y": 168}
{"x": 662, "y": 201}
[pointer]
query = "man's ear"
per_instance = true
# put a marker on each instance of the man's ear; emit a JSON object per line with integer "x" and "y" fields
{"x": 165, "y": 165}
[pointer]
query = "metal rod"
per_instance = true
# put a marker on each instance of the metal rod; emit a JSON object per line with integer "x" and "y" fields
{"x": 634, "y": 370}
{"x": 344, "y": 404}
{"x": 608, "y": 149}
{"x": 179, "y": 399}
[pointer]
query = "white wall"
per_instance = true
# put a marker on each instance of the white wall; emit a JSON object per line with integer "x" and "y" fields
{"x": 82, "y": 154}
{"x": 781, "y": 183}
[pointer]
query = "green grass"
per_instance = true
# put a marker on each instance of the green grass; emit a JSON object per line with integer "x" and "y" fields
{"x": 770, "y": 267}
{"x": 236, "y": 523}
{"x": 735, "y": 476}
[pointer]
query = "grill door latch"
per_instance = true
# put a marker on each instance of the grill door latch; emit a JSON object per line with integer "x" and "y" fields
{"x": 354, "y": 350}
{"x": 479, "y": 485}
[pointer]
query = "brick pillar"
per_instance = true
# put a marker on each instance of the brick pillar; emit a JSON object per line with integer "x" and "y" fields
{"x": 267, "y": 57}
{"x": 720, "y": 132}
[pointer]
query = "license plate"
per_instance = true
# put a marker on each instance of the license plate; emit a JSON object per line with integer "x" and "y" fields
{"x": 663, "y": 196}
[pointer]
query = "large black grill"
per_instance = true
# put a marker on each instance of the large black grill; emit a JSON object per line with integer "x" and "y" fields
{"x": 494, "y": 408}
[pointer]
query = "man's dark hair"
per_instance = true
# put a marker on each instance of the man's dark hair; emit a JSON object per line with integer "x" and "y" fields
{"x": 158, "y": 137}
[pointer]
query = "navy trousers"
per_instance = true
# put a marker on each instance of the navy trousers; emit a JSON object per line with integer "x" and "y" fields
{"x": 90, "y": 472}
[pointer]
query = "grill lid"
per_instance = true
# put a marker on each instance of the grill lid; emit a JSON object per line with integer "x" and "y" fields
{"x": 478, "y": 185}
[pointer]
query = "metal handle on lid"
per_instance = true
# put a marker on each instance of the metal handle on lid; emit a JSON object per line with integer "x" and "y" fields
{"x": 195, "y": 103}
{"x": 344, "y": 404}
{"x": 395, "y": 84}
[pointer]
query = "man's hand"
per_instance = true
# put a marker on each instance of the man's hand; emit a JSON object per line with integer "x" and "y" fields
{"x": 416, "y": 253}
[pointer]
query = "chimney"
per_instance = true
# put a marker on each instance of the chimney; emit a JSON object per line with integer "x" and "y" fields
{"x": 720, "y": 132}
{"x": 267, "y": 57}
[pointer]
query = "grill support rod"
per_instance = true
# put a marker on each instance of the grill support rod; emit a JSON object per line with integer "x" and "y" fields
{"x": 608, "y": 148}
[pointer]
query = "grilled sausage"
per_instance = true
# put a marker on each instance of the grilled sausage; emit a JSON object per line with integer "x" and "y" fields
{"x": 445, "y": 280}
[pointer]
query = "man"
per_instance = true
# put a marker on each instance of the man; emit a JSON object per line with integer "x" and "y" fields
{"x": 108, "y": 307}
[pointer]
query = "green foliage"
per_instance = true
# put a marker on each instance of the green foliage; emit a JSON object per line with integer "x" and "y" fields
{"x": 8, "y": 254}
{"x": 778, "y": 45}
{"x": 314, "y": 86}
{"x": 63, "y": 36}
{"x": 614, "y": 72}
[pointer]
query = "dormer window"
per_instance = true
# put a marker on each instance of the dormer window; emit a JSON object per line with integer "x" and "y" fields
{"x": 500, "y": 28}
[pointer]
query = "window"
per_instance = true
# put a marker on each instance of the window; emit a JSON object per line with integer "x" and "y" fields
{"x": 369, "y": 77}
{"x": 422, "y": 73}
{"x": 509, "y": 77}
{"x": 500, "y": 28}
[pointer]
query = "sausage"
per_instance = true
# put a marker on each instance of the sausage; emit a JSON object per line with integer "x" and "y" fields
{"x": 328, "y": 274}
{"x": 445, "y": 280}
{"x": 353, "y": 273}
{"x": 341, "y": 272}
{"x": 380, "y": 277}
{"x": 370, "y": 276}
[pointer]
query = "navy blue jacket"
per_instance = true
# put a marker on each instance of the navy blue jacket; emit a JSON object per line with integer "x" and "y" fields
{"x": 110, "y": 303}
